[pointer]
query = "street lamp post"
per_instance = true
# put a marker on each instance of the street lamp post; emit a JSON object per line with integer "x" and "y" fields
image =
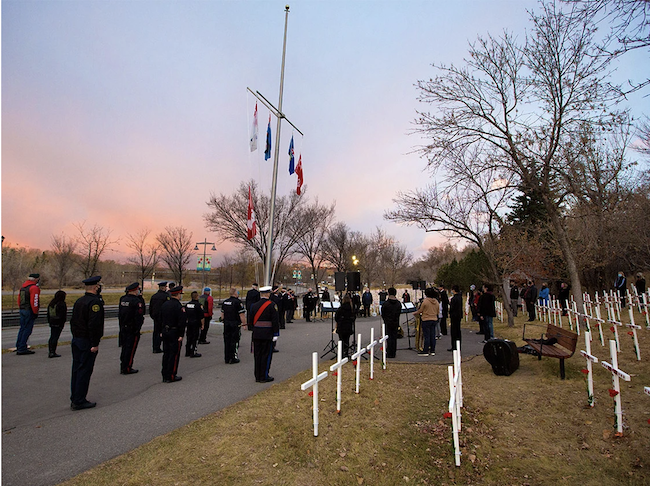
{"x": 205, "y": 244}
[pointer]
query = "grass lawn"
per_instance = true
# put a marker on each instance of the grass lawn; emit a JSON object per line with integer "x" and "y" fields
{"x": 529, "y": 428}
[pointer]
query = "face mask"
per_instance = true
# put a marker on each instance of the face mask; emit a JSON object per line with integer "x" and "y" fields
{"x": 99, "y": 290}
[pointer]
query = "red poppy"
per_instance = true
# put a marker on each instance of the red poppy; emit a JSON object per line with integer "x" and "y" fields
{"x": 336, "y": 373}
{"x": 448, "y": 415}
{"x": 311, "y": 393}
{"x": 630, "y": 333}
{"x": 354, "y": 362}
{"x": 611, "y": 328}
{"x": 612, "y": 393}
{"x": 585, "y": 371}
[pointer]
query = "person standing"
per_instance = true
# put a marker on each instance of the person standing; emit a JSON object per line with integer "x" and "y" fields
{"x": 289, "y": 302}
{"x": 87, "y": 327}
{"x": 366, "y": 300}
{"x": 173, "y": 329}
{"x": 514, "y": 297}
{"x": 195, "y": 314}
{"x": 57, "y": 314}
{"x": 530, "y": 297}
{"x": 544, "y": 294}
{"x": 130, "y": 317}
{"x": 155, "y": 303}
{"x": 455, "y": 316}
{"x": 28, "y": 303}
{"x": 640, "y": 284}
{"x": 563, "y": 296}
{"x": 391, "y": 311}
{"x": 487, "y": 311}
{"x": 428, "y": 311}
{"x": 344, "y": 318}
{"x": 265, "y": 321}
{"x": 406, "y": 297}
{"x": 276, "y": 297}
{"x": 383, "y": 295}
{"x": 208, "y": 306}
{"x": 233, "y": 317}
{"x": 444, "y": 304}
{"x": 621, "y": 287}
{"x": 306, "y": 305}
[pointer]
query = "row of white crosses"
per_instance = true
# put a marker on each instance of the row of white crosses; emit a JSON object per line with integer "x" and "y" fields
{"x": 337, "y": 369}
{"x": 455, "y": 400}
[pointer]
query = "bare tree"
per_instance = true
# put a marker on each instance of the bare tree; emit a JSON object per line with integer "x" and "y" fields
{"x": 339, "y": 246}
{"x": 517, "y": 106}
{"x": 228, "y": 217}
{"x": 176, "y": 250}
{"x": 62, "y": 256}
{"x": 93, "y": 243}
{"x": 146, "y": 254}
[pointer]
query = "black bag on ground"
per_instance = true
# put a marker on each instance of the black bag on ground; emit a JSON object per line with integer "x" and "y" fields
{"x": 502, "y": 355}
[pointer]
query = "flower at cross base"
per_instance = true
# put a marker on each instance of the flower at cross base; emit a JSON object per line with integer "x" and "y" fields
{"x": 585, "y": 371}
{"x": 613, "y": 393}
{"x": 448, "y": 415}
{"x": 612, "y": 329}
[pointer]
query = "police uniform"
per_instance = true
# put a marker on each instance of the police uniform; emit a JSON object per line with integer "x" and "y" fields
{"x": 266, "y": 325}
{"x": 87, "y": 328}
{"x": 194, "y": 313}
{"x": 130, "y": 317}
{"x": 155, "y": 303}
{"x": 173, "y": 328}
{"x": 232, "y": 310}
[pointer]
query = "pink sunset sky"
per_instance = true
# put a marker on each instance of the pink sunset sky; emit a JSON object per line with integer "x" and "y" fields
{"x": 130, "y": 114}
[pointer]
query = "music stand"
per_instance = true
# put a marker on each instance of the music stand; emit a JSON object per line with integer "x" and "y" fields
{"x": 332, "y": 346}
{"x": 408, "y": 308}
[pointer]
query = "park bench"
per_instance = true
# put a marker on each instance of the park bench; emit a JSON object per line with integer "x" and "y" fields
{"x": 556, "y": 342}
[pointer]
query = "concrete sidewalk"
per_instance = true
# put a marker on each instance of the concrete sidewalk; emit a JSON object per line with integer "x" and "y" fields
{"x": 44, "y": 442}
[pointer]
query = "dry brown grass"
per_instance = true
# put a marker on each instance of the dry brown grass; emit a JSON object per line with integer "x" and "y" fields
{"x": 528, "y": 428}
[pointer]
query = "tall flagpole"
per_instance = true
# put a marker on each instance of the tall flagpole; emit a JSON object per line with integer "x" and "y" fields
{"x": 269, "y": 246}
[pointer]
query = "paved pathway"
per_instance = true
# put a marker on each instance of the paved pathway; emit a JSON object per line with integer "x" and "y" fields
{"x": 44, "y": 442}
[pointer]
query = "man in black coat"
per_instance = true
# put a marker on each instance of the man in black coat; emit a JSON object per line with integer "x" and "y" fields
{"x": 530, "y": 297}
{"x": 455, "y": 315}
{"x": 391, "y": 311}
{"x": 487, "y": 310}
{"x": 232, "y": 315}
{"x": 174, "y": 321}
{"x": 444, "y": 303}
{"x": 195, "y": 315}
{"x": 252, "y": 297}
{"x": 155, "y": 303}
{"x": 264, "y": 320}
{"x": 87, "y": 327}
{"x": 130, "y": 317}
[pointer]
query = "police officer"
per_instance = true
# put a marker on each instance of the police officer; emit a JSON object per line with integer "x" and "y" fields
{"x": 130, "y": 317}
{"x": 265, "y": 321}
{"x": 87, "y": 327}
{"x": 155, "y": 303}
{"x": 173, "y": 330}
{"x": 232, "y": 315}
{"x": 194, "y": 313}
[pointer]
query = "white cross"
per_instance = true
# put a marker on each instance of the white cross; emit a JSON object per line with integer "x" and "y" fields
{"x": 577, "y": 316}
{"x": 616, "y": 375}
{"x": 382, "y": 341}
{"x": 356, "y": 357}
{"x": 634, "y": 327}
{"x": 314, "y": 383}
{"x": 371, "y": 351}
{"x": 599, "y": 323}
{"x": 590, "y": 359}
{"x": 336, "y": 370}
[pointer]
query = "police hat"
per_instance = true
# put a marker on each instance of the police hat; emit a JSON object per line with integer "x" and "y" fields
{"x": 34, "y": 275}
{"x": 92, "y": 280}
{"x": 162, "y": 284}
{"x": 265, "y": 289}
{"x": 133, "y": 286}
{"x": 177, "y": 290}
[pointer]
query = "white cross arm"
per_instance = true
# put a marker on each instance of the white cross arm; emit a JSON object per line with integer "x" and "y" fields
{"x": 338, "y": 364}
{"x": 313, "y": 381}
{"x": 633, "y": 326}
{"x": 590, "y": 357}
{"x": 616, "y": 371}
{"x": 359, "y": 353}
{"x": 385, "y": 338}
{"x": 614, "y": 322}
{"x": 371, "y": 346}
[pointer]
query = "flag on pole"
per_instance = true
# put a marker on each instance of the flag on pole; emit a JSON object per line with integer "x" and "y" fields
{"x": 250, "y": 223}
{"x": 299, "y": 173}
{"x": 267, "y": 151}
{"x": 253, "y": 140}
{"x": 292, "y": 159}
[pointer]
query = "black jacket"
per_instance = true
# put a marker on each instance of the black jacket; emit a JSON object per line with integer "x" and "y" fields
{"x": 57, "y": 314}
{"x": 87, "y": 320}
{"x": 456, "y": 307}
{"x": 344, "y": 318}
{"x": 391, "y": 311}
{"x": 156, "y": 302}
{"x": 174, "y": 319}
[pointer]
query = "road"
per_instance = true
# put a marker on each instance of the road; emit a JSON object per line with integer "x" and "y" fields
{"x": 44, "y": 442}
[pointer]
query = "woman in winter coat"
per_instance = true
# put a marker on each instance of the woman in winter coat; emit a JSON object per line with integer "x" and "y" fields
{"x": 345, "y": 317}
{"x": 57, "y": 312}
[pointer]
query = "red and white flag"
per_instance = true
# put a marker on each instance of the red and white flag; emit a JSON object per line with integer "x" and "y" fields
{"x": 299, "y": 174}
{"x": 250, "y": 223}
{"x": 253, "y": 140}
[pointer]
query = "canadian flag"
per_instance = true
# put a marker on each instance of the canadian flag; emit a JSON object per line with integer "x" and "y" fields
{"x": 250, "y": 223}
{"x": 299, "y": 174}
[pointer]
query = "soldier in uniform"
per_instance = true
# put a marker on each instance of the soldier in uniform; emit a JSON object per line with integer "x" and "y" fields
{"x": 173, "y": 330}
{"x": 265, "y": 321}
{"x": 87, "y": 327}
{"x": 194, "y": 313}
{"x": 252, "y": 297}
{"x": 155, "y": 303}
{"x": 276, "y": 297}
{"x": 232, "y": 315}
{"x": 130, "y": 317}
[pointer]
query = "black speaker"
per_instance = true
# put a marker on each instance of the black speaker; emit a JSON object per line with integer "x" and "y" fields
{"x": 415, "y": 284}
{"x": 354, "y": 281}
{"x": 339, "y": 281}
{"x": 423, "y": 284}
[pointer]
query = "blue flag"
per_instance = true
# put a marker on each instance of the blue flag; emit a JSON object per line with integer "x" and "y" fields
{"x": 267, "y": 151}
{"x": 291, "y": 157}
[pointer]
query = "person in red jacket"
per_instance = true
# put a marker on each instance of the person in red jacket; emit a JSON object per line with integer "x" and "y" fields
{"x": 28, "y": 303}
{"x": 208, "y": 304}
